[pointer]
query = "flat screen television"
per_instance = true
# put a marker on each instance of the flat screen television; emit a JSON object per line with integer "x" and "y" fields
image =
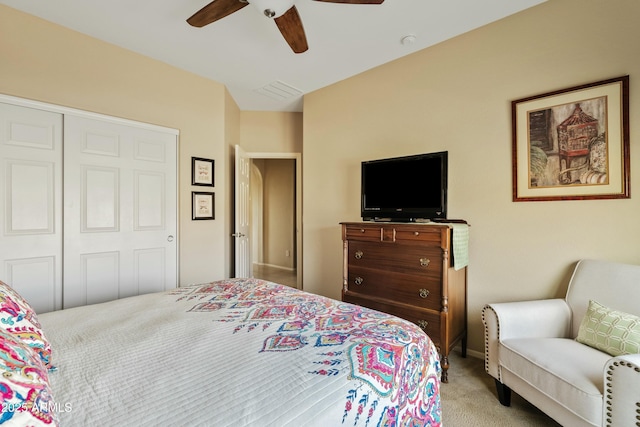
{"x": 408, "y": 188}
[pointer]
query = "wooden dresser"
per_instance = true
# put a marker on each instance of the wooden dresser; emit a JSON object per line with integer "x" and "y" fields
{"x": 406, "y": 269}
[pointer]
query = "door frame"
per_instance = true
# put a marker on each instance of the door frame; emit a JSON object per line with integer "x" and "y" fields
{"x": 23, "y": 102}
{"x": 298, "y": 165}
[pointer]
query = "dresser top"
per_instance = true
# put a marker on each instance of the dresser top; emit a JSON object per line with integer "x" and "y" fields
{"x": 399, "y": 223}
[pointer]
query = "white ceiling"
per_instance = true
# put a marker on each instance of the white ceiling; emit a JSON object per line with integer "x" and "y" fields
{"x": 246, "y": 52}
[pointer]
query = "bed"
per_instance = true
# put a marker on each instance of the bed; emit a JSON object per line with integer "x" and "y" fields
{"x": 227, "y": 353}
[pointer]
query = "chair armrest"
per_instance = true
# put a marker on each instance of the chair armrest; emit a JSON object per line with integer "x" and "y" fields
{"x": 622, "y": 391}
{"x": 550, "y": 318}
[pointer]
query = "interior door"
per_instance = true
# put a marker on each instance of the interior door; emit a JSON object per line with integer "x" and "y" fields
{"x": 243, "y": 264}
{"x": 31, "y": 204}
{"x": 120, "y": 210}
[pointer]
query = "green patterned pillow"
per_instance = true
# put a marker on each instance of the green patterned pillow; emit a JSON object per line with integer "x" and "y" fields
{"x": 611, "y": 331}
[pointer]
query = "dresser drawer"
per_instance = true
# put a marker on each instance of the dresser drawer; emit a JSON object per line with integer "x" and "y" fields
{"x": 405, "y": 288}
{"x": 364, "y": 232}
{"x": 425, "y": 261}
{"x": 417, "y": 233}
{"x": 390, "y": 233}
{"x": 428, "y": 321}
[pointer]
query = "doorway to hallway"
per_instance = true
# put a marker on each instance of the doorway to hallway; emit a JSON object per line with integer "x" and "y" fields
{"x": 268, "y": 217}
{"x": 273, "y": 219}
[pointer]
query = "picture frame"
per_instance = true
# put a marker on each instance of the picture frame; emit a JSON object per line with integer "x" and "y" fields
{"x": 202, "y": 171}
{"x": 572, "y": 144}
{"x": 202, "y": 205}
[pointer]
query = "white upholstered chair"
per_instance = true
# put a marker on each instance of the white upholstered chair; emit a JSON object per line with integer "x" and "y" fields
{"x": 531, "y": 348}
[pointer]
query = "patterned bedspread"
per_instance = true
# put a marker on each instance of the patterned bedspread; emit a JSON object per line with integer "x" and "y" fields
{"x": 240, "y": 352}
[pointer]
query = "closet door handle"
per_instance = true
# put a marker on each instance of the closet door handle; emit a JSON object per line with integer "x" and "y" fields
{"x": 170, "y": 238}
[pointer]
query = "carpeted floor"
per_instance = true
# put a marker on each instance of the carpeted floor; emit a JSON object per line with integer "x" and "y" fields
{"x": 470, "y": 399}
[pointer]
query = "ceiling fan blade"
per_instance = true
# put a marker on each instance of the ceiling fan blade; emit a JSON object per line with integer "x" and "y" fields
{"x": 215, "y": 10}
{"x": 290, "y": 25}
{"x": 354, "y": 1}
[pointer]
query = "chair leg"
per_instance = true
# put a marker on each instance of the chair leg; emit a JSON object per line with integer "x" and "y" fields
{"x": 504, "y": 393}
{"x": 463, "y": 345}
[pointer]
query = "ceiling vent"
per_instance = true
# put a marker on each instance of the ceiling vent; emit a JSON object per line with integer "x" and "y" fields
{"x": 279, "y": 91}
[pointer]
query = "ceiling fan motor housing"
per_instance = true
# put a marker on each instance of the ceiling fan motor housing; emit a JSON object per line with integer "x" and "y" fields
{"x": 272, "y": 8}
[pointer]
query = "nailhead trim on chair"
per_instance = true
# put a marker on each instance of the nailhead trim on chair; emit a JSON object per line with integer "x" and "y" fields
{"x": 486, "y": 339}
{"x": 608, "y": 396}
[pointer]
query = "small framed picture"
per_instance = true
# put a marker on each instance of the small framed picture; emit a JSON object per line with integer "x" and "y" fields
{"x": 202, "y": 205}
{"x": 202, "y": 171}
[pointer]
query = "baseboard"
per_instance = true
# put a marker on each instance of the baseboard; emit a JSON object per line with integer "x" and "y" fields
{"x": 473, "y": 353}
{"x": 280, "y": 267}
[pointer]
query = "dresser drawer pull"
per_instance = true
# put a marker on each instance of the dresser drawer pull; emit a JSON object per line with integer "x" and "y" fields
{"x": 416, "y": 233}
{"x": 424, "y": 262}
{"x": 362, "y": 230}
{"x": 424, "y": 293}
{"x": 423, "y": 325}
{"x": 358, "y": 254}
{"x": 358, "y": 280}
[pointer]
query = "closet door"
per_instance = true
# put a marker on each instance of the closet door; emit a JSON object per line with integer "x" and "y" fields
{"x": 31, "y": 204}
{"x": 119, "y": 210}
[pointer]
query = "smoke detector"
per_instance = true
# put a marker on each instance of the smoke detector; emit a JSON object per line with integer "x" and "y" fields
{"x": 407, "y": 40}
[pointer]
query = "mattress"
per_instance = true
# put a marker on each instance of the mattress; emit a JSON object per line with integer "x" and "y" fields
{"x": 240, "y": 352}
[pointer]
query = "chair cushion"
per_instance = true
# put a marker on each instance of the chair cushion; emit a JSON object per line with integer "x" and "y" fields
{"x": 611, "y": 331}
{"x": 567, "y": 371}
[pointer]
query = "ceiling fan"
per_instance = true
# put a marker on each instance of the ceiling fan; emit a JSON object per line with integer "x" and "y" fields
{"x": 283, "y": 12}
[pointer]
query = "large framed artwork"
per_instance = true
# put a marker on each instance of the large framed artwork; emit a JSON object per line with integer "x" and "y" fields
{"x": 572, "y": 144}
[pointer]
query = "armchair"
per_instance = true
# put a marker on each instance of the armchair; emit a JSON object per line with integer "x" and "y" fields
{"x": 531, "y": 348}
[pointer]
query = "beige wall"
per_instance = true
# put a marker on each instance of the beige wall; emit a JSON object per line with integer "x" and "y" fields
{"x": 456, "y": 96}
{"x": 48, "y": 63}
{"x": 271, "y": 132}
